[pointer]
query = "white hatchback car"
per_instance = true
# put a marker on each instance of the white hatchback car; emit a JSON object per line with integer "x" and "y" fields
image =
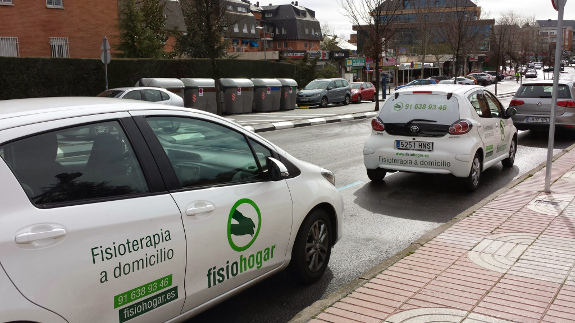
{"x": 150, "y": 94}
{"x": 441, "y": 129}
{"x": 158, "y": 214}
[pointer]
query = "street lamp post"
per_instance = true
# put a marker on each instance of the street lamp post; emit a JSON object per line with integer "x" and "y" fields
{"x": 263, "y": 39}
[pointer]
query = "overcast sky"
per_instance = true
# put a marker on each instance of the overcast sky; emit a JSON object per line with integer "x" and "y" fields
{"x": 329, "y": 11}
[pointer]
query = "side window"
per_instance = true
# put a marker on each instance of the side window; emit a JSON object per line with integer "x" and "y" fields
{"x": 133, "y": 95}
{"x": 480, "y": 105}
{"x": 494, "y": 106}
{"x": 339, "y": 83}
{"x": 165, "y": 96}
{"x": 81, "y": 163}
{"x": 152, "y": 95}
{"x": 331, "y": 85}
{"x": 203, "y": 153}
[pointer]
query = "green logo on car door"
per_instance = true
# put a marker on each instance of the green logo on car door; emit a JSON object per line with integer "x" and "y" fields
{"x": 244, "y": 223}
{"x": 502, "y": 129}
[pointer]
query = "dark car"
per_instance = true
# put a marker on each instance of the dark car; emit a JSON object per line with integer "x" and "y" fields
{"x": 482, "y": 78}
{"x": 324, "y": 91}
{"x": 496, "y": 74}
{"x": 438, "y": 78}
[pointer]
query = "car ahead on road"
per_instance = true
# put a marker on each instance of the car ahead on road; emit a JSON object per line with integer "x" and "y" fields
{"x": 533, "y": 102}
{"x": 164, "y": 213}
{"x": 323, "y": 92}
{"x": 416, "y": 82}
{"x": 459, "y": 80}
{"x": 150, "y": 94}
{"x": 498, "y": 76}
{"x": 471, "y": 78}
{"x": 442, "y": 129}
{"x": 438, "y": 78}
{"x": 531, "y": 73}
{"x": 482, "y": 78}
{"x": 362, "y": 91}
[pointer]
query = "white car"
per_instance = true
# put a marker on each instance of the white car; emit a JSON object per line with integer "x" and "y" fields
{"x": 441, "y": 129}
{"x": 150, "y": 94}
{"x": 163, "y": 213}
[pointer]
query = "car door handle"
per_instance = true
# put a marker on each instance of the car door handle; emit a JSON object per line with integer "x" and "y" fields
{"x": 200, "y": 207}
{"x": 29, "y": 237}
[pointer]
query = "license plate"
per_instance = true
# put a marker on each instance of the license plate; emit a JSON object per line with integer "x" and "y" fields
{"x": 303, "y": 99}
{"x": 414, "y": 145}
{"x": 537, "y": 119}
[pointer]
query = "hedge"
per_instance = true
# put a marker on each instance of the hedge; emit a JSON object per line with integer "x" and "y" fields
{"x": 44, "y": 77}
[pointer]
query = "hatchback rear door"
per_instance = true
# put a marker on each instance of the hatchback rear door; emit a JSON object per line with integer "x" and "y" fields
{"x": 536, "y": 98}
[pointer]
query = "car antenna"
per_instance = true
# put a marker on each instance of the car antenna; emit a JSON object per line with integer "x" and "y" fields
{"x": 449, "y": 95}
{"x": 396, "y": 95}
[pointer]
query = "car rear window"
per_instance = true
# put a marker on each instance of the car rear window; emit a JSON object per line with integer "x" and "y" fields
{"x": 429, "y": 108}
{"x": 542, "y": 91}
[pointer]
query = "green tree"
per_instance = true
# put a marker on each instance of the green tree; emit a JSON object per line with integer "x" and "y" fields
{"x": 328, "y": 71}
{"x": 305, "y": 69}
{"x": 142, "y": 30}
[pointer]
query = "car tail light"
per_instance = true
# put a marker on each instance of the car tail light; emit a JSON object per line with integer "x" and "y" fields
{"x": 515, "y": 103}
{"x": 568, "y": 104}
{"x": 460, "y": 127}
{"x": 377, "y": 125}
{"x": 422, "y": 92}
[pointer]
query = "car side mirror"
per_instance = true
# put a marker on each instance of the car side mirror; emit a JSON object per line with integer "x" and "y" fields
{"x": 276, "y": 169}
{"x": 510, "y": 112}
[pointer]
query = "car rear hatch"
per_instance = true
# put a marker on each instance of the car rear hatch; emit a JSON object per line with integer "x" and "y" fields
{"x": 536, "y": 98}
{"x": 420, "y": 114}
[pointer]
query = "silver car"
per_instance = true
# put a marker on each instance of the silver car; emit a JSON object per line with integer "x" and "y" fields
{"x": 533, "y": 103}
{"x": 150, "y": 94}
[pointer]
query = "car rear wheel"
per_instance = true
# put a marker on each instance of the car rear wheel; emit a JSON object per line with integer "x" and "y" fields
{"x": 358, "y": 98}
{"x": 508, "y": 162}
{"x": 376, "y": 175}
{"x": 312, "y": 247}
{"x": 471, "y": 182}
{"x": 323, "y": 102}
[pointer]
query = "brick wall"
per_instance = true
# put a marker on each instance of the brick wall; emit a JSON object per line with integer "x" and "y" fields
{"x": 84, "y": 23}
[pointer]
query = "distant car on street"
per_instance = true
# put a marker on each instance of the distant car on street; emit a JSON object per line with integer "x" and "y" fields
{"x": 438, "y": 78}
{"x": 417, "y": 82}
{"x": 495, "y": 74}
{"x": 150, "y": 94}
{"x": 482, "y": 78}
{"x": 531, "y": 73}
{"x": 324, "y": 91}
{"x": 362, "y": 91}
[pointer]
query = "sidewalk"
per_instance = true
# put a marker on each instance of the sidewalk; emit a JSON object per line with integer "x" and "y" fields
{"x": 511, "y": 258}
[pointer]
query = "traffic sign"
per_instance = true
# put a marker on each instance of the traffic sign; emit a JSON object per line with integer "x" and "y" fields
{"x": 105, "y": 57}
{"x": 558, "y": 4}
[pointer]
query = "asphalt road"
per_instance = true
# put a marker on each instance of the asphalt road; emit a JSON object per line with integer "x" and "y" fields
{"x": 379, "y": 220}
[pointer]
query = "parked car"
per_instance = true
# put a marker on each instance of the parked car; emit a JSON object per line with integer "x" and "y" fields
{"x": 531, "y": 73}
{"x": 441, "y": 129}
{"x": 438, "y": 78}
{"x": 498, "y": 76}
{"x": 465, "y": 81}
{"x": 150, "y": 94}
{"x": 416, "y": 82}
{"x": 471, "y": 78}
{"x": 533, "y": 104}
{"x": 448, "y": 81}
{"x": 482, "y": 78}
{"x": 537, "y": 65}
{"x": 362, "y": 91}
{"x": 323, "y": 92}
{"x": 165, "y": 214}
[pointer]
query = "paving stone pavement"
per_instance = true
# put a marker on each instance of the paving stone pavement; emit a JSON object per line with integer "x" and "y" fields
{"x": 510, "y": 260}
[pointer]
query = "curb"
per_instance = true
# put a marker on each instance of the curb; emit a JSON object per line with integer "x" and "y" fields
{"x": 319, "y": 306}
{"x": 308, "y": 122}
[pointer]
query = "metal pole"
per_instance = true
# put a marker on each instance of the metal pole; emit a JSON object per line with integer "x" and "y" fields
{"x": 556, "y": 68}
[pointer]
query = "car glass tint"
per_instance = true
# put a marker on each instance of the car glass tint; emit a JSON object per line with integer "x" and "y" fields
{"x": 81, "y": 163}
{"x": 165, "y": 96}
{"x": 317, "y": 85}
{"x": 203, "y": 153}
{"x": 435, "y": 107}
{"x": 133, "y": 95}
{"x": 339, "y": 83}
{"x": 494, "y": 106}
{"x": 111, "y": 94}
{"x": 152, "y": 95}
{"x": 540, "y": 91}
{"x": 480, "y": 105}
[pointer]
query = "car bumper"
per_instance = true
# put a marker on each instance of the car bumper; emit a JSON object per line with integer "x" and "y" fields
{"x": 450, "y": 155}
{"x": 565, "y": 120}
{"x": 308, "y": 101}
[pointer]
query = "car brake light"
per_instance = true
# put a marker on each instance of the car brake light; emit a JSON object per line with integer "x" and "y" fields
{"x": 422, "y": 92}
{"x": 568, "y": 104}
{"x": 515, "y": 103}
{"x": 460, "y": 127}
{"x": 377, "y": 125}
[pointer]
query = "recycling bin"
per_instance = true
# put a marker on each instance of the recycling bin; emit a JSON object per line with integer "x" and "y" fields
{"x": 172, "y": 85}
{"x": 200, "y": 93}
{"x": 237, "y": 95}
{"x": 266, "y": 94}
{"x": 288, "y": 94}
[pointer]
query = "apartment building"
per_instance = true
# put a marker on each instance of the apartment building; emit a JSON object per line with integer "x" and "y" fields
{"x": 548, "y": 34}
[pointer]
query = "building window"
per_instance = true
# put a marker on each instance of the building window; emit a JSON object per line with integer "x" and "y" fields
{"x": 285, "y": 44}
{"x": 236, "y": 28}
{"x": 310, "y": 45}
{"x": 312, "y": 32}
{"x": 54, "y": 4}
{"x": 277, "y": 31}
{"x": 245, "y": 30}
{"x": 279, "y": 45}
{"x": 307, "y": 31}
{"x": 268, "y": 15}
{"x": 305, "y": 45}
{"x": 253, "y": 30}
{"x": 59, "y": 47}
{"x": 284, "y": 30}
{"x": 242, "y": 9}
{"x": 230, "y": 7}
{"x": 5, "y": 2}
{"x": 9, "y": 46}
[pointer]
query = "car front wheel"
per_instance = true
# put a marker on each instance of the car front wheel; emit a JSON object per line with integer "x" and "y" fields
{"x": 358, "y": 98}
{"x": 323, "y": 102}
{"x": 508, "y": 162}
{"x": 471, "y": 182}
{"x": 312, "y": 247}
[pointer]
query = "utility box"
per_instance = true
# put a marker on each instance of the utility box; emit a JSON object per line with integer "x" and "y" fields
{"x": 266, "y": 94}
{"x": 172, "y": 85}
{"x": 200, "y": 93}
{"x": 237, "y": 95}
{"x": 288, "y": 94}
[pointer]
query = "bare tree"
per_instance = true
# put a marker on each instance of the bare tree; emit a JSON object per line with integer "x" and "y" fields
{"x": 373, "y": 20}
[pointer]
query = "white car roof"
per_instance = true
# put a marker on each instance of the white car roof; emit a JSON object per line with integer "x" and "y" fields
{"x": 440, "y": 88}
{"x": 20, "y": 112}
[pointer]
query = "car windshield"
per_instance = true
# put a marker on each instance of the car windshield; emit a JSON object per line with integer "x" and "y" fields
{"x": 432, "y": 108}
{"x": 542, "y": 91}
{"x": 317, "y": 85}
{"x": 111, "y": 94}
{"x": 355, "y": 85}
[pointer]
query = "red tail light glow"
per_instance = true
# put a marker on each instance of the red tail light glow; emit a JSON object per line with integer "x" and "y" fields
{"x": 460, "y": 127}
{"x": 515, "y": 103}
{"x": 568, "y": 104}
{"x": 422, "y": 92}
{"x": 377, "y": 125}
